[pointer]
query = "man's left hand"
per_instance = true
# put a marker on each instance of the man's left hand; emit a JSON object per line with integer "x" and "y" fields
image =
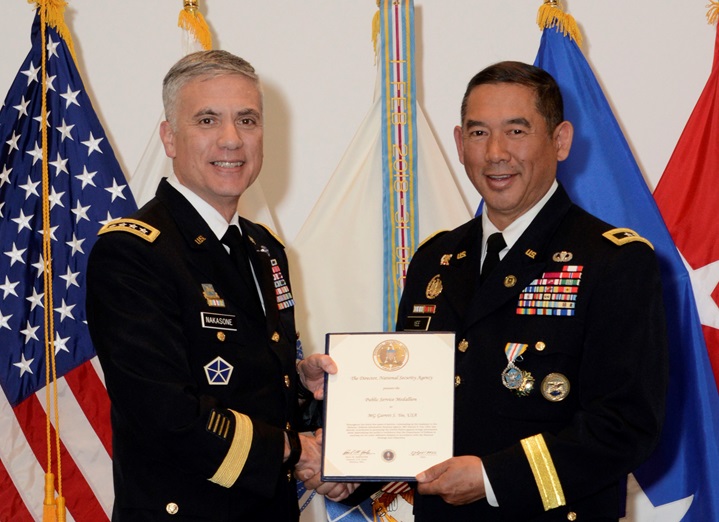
{"x": 312, "y": 373}
{"x": 458, "y": 480}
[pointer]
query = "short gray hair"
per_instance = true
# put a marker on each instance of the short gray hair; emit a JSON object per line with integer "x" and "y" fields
{"x": 202, "y": 63}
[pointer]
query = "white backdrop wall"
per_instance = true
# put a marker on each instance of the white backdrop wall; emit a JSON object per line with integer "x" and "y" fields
{"x": 652, "y": 57}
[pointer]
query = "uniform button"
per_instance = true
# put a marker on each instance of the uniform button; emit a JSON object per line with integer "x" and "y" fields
{"x": 275, "y": 337}
{"x": 457, "y": 381}
{"x": 287, "y": 381}
{"x": 221, "y": 336}
{"x": 289, "y": 476}
{"x": 288, "y": 426}
{"x": 540, "y": 346}
{"x": 571, "y": 516}
{"x": 172, "y": 508}
{"x": 463, "y": 345}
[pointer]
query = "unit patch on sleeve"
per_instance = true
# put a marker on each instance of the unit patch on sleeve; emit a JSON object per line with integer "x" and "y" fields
{"x": 554, "y": 293}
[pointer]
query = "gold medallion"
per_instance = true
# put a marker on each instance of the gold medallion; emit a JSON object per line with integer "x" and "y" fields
{"x": 434, "y": 287}
{"x": 390, "y": 355}
{"x": 555, "y": 387}
{"x": 510, "y": 281}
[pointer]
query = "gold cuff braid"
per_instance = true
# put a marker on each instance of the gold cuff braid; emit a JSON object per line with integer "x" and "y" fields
{"x": 234, "y": 461}
{"x": 545, "y": 474}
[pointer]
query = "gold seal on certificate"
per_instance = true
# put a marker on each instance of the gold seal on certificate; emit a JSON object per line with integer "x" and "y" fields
{"x": 388, "y": 411}
{"x": 390, "y": 355}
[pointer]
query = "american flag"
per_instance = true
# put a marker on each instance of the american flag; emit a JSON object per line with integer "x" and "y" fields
{"x": 86, "y": 189}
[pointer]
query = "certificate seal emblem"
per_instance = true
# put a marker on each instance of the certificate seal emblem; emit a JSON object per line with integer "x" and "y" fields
{"x": 390, "y": 355}
{"x": 388, "y": 455}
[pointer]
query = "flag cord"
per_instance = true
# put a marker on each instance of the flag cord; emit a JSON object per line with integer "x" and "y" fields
{"x": 53, "y": 509}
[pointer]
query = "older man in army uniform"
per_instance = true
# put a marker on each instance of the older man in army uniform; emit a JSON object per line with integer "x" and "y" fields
{"x": 191, "y": 311}
{"x": 561, "y": 356}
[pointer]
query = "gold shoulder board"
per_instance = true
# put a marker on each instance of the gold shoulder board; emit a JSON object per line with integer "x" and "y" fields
{"x": 133, "y": 226}
{"x": 431, "y": 236}
{"x": 622, "y": 236}
{"x": 272, "y": 233}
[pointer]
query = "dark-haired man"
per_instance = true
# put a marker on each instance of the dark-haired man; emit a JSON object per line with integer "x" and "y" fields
{"x": 561, "y": 356}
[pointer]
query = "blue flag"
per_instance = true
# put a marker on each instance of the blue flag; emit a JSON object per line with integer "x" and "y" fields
{"x": 681, "y": 479}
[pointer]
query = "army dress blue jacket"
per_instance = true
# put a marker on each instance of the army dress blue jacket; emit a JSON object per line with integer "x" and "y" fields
{"x": 201, "y": 382}
{"x": 579, "y": 304}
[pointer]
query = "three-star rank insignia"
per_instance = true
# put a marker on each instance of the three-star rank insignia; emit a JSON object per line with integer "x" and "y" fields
{"x": 218, "y": 372}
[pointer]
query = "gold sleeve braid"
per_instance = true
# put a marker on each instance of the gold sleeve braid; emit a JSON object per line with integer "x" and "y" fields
{"x": 545, "y": 474}
{"x": 234, "y": 461}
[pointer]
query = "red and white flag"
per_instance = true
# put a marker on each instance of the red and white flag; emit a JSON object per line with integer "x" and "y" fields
{"x": 688, "y": 197}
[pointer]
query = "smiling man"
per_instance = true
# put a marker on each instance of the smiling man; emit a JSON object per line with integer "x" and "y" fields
{"x": 561, "y": 355}
{"x": 191, "y": 312}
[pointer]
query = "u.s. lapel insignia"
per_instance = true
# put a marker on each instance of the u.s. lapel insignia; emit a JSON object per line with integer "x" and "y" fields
{"x": 212, "y": 297}
{"x": 462, "y": 254}
{"x": 434, "y": 287}
{"x": 530, "y": 253}
{"x": 445, "y": 259}
{"x": 218, "y": 372}
{"x": 555, "y": 387}
{"x": 562, "y": 257}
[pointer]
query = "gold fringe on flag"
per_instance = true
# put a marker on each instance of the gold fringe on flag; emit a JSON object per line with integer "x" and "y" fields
{"x": 375, "y": 31}
{"x": 192, "y": 21}
{"x": 713, "y": 13}
{"x": 55, "y": 18}
{"x": 551, "y": 15}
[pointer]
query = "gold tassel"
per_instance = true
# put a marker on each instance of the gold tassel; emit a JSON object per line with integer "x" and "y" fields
{"x": 49, "y": 507}
{"x": 551, "y": 15}
{"x": 55, "y": 18}
{"x": 713, "y": 13}
{"x": 375, "y": 31}
{"x": 192, "y": 21}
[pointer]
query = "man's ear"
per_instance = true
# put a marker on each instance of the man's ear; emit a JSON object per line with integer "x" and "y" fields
{"x": 459, "y": 141}
{"x": 167, "y": 135}
{"x": 562, "y": 137}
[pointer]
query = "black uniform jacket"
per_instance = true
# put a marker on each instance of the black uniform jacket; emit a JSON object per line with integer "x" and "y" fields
{"x": 201, "y": 383}
{"x": 587, "y": 310}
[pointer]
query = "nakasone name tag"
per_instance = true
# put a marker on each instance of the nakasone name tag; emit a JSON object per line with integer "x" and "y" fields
{"x": 389, "y": 409}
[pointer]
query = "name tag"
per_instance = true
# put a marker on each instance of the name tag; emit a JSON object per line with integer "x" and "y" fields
{"x": 416, "y": 322}
{"x": 219, "y": 321}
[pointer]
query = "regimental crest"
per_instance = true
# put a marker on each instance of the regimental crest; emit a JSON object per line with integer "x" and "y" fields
{"x": 218, "y": 372}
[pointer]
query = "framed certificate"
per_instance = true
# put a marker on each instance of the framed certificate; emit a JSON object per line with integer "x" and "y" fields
{"x": 389, "y": 408}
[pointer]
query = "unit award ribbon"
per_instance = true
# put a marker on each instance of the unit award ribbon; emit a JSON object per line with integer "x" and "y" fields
{"x": 519, "y": 381}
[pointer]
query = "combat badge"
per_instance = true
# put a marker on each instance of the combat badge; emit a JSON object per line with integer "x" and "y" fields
{"x": 434, "y": 287}
{"x": 555, "y": 387}
{"x": 212, "y": 297}
{"x": 519, "y": 381}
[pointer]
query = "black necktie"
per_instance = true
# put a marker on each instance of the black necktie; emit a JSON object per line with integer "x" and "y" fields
{"x": 238, "y": 252}
{"x": 495, "y": 243}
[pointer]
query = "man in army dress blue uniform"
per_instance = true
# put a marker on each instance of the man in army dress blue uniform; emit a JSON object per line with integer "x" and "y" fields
{"x": 191, "y": 312}
{"x": 561, "y": 356}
